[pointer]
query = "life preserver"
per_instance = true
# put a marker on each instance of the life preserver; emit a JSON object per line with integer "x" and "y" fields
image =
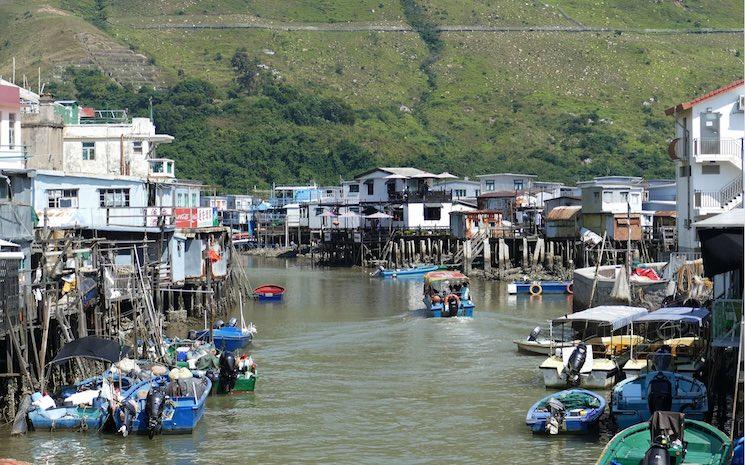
{"x": 685, "y": 275}
{"x": 570, "y": 288}
{"x": 536, "y": 289}
{"x": 448, "y": 298}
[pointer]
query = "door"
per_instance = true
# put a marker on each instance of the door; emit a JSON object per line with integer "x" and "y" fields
{"x": 709, "y": 133}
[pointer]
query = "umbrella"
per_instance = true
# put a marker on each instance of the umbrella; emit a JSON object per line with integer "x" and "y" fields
{"x": 379, "y": 216}
{"x": 447, "y": 175}
{"x": 328, "y": 214}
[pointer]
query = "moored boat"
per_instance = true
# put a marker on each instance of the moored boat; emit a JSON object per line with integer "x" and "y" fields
{"x": 594, "y": 362}
{"x": 572, "y": 411}
{"x": 242, "y": 379}
{"x": 227, "y": 336}
{"x": 163, "y": 404}
{"x": 269, "y": 292}
{"x": 668, "y": 439}
{"x": 446, "y": 294}
{"x": 401, "y": 272}
{"x": 534, "y": 344}
{"x": 634, "y": 400}
{"x": 540, "y": 287}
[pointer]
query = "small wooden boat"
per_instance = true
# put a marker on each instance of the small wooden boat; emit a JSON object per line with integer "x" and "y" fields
{"x": 269, "y": 292}
{"x": 573, "y": 411}
{"x": 668, "y": 438}
{"x": 446, "y": 294}
{"x": 634, "y": 400}
{"x": 402, "y": 272}
{"x": 162, "y": 405}
{"x": 540, "y": 287}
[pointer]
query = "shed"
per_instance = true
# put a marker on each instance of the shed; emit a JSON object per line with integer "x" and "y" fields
{"x": 563, "y": 222}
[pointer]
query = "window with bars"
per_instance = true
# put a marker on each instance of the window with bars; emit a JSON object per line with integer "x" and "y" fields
{"x": 460, "y": 192}
{"x": 11, "y": 130}
{"x": 62, "y": 198}
{"x": 137, "y": 147}
{"x": 89, "y": 150}
{"x": 112, "y": 198}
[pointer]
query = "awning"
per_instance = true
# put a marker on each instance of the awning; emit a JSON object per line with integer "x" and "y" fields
{"x": 616, "y": 316}
{"x": 93, "y": 348}
{"x": 684, "y": 314}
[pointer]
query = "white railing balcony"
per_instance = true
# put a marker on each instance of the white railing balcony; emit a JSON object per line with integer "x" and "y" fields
{"x": 728, "y": 197}
{"x": 721, "y": 150}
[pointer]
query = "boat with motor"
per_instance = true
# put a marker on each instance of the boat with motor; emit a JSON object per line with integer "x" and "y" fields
{"x": 171, "y": 404}
{"x": 236, "y": 374}
{"x": 84, "y": 406}
{"x": 593, "y": 362}
{"x": 269, "y": 293}
{"x": 540, "y": 287}
{"x": 679, "y": 331}
{"x": 227, "y": 337}
{"x": 669, "y": 438}
{"x": 404, "y": 272}
{"x": 534, "y": 344}
{"x": 634, "y": 400}
{"x": 447, "y": 294}
{"x": 571, "y": 411}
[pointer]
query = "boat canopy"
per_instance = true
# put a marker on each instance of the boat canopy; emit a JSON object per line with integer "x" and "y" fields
{"x": 617, "y": 316}
{"x": 91, "y": 347}
{"x": 453, "y": 277}
{"x": 681, "y": 314}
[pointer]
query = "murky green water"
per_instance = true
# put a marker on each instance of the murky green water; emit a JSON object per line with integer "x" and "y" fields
{"x": 350, "y": 374}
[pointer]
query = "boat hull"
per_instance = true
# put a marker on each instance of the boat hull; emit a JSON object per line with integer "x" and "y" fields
{"x": 630, "y": 406}
{"x": 225, "y": 342}
{"x": 70, "y": 418}
{"x": 539, "y": 347}
{"x": 547, "y": 287}
{"x": 602, "y": 374}
{"x": 422, "y": 270}
{"x": 242, "y": 384}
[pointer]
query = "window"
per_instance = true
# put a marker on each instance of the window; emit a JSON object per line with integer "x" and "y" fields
{"x": 518, "y": 184}
{"x": 11, "y": 130}
{"x": 624, "y": 197}
{"x": 635, "y": 198}
{"x": 89, "y": 150}
{"x": 477, "y": 192}
{"x": 156, "y": 166}
{"x": 354, "y": 188}
{"x": 489, "y": 185}
{"x": 194, "y": 201}
{"x": 709, "y": 169}
{"x": 460, "y": 192}
{"x": 169, "y": 167}
{"x": 62, "y": 198}
{"x": 113, "y": 197}
{"x": 137, "y": 147}
{"x": 607, "y": 196}
{"x": 432, "y": 213}
{"x": 319, "y": 211}
{"x": 4, "y": 191}
{"x": 179, "y": 199}
{"x": 370, "y": 187}
{"x": 596, "y": 195}
{"x": 684, "y": 171}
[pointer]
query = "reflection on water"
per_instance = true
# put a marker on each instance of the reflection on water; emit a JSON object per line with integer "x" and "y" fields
{"x": 351, "y": 373}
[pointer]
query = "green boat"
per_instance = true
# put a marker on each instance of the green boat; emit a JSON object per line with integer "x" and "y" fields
{"x": 668, "y": 439}
{"x": 246, "y": 382}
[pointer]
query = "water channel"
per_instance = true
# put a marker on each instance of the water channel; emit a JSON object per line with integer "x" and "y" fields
{"x": 350, "y": 372}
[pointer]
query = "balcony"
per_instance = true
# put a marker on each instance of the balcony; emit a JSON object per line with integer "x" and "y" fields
{"x": 420, "y": 196}
{"x": 13, "y": 156}
{"x": 725, "y": 199}
{"x": 718, "y": 150}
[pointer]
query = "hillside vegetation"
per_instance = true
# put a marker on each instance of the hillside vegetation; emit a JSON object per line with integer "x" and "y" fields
{"x": 319, "y": 104}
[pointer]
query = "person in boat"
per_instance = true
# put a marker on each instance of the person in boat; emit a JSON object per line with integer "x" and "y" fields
{"x": 465, "y": 293}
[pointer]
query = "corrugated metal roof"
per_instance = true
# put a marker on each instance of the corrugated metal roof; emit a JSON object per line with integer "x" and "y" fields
{"x": 564, "y": 213}
{"x": 666, "y": 213}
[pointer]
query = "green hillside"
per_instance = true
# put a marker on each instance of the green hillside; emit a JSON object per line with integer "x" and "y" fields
{"x": 423, "y": 87}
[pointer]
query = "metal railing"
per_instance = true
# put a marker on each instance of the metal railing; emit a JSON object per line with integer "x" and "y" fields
{"x": 418, "y": 196}
{"x": 725, "y": 321}
{"x": 710, "y": 146}
{"x": 721, "y": 198}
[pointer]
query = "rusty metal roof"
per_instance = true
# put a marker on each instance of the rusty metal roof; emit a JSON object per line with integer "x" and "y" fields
{"x": 564, "y": 213}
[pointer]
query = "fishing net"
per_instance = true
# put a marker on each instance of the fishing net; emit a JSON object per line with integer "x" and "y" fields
{"x": 572, "y": 400}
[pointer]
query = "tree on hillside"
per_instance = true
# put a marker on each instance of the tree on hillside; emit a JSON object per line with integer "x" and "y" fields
{"x": 248, "y": 72}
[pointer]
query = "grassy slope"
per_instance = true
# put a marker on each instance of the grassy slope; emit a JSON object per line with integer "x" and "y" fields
{"x": 498, "y": 96}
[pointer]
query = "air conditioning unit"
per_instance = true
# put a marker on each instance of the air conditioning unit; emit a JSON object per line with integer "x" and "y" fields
{"x": 741, "y": 103}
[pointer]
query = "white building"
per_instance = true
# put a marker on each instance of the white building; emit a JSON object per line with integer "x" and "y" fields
{"x": 501, "y": 182}
{"x": 460, "y": 188}
{"x": 12, "y": 150}
{"x": 407, "y": 195}
{"x": 708, "y": 152}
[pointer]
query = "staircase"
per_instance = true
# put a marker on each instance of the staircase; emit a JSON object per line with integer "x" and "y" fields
{"x": 725, "y": 199}
{"x": 477, "y": 246}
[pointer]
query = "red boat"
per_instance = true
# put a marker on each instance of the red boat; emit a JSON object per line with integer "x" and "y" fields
{"x": 269, "y": 292}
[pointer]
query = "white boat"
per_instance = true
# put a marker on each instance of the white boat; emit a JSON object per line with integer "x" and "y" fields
{"x": 583, "y": 280}
{"x": 593, "y": 363}
{"x": 536, "y": 345}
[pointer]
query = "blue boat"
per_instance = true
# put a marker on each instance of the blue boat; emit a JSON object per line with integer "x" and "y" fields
{"x": 540, "y": 287}
{"x": 84, "y": 416}
{"x": 160, "y": 405}
{"x": 634, "y": 400}
{"x": 572, "y": 411}
{"x": 446, "y": 294}
{"x": 402, "y": 272}
{"x": 269, "y": 293}
{"x": 738, "y": 456}
{"x": 226, "y": 337}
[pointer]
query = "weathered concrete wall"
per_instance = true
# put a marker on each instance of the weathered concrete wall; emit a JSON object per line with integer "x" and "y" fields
{"x": 42, "y": 135}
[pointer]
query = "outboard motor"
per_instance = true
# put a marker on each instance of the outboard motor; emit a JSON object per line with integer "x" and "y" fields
{"x": 534, "y": 334}
{"x": 575, "y": 363}
{"x": 154, "y": 406}
{"x": 666, "y": 430}
{"x": 232, "y": 322}
{"x": 452, "y": 307}
{"x": 660, "y": 395}
{"x": 557, "y": 412}
{"x": 228, "y": 371}
{"x": 219, "y": 324}
{"x": 662, "y": 358}
{"x": 656, "y": 455}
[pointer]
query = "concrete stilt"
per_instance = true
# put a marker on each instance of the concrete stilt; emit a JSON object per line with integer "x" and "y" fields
{"x": 467, "y": 257}
{"x": 487, "y": 256}
{"x": 525, "y": 253}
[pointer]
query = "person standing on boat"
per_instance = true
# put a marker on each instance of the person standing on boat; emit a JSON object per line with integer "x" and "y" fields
{"x": 464, "y": 293}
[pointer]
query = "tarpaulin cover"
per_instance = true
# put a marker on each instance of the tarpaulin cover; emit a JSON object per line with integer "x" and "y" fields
{"x": 91, "y": 347}
{"x": 721, "y": 250}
